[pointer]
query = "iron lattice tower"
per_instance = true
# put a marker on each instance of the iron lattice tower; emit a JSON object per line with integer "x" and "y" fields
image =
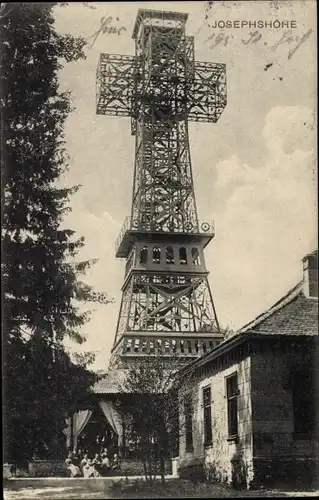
{"x": 167, "y": 307}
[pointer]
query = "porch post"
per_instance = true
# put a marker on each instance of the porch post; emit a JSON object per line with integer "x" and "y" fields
{"x": 72, "y": 431}
{"x": 123, "y": 443}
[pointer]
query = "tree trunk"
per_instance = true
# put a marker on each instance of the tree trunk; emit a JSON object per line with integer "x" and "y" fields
{"x": 150, "y": 468}
{"x": 145, "y": 469}
{"x": 162, "y": 443}
{"x": 162, "y": 467}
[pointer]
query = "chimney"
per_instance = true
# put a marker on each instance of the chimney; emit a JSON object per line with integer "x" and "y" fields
{"x": 310, "y": 274}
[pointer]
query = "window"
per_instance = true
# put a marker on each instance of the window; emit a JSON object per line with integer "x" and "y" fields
{"x": 188, "y": 412}
{"x": 195, "y": 256}
{"x": 174, "y": 346}
{"x": 143, "y": 255}
{"x": 169, "y": 255}
{"x": 156, "y": 255}
{"x": 167, "y": 346}
{"x": 181, "y": 280}
{"x": 136, "y": 345}
{"x": 232, "y": 393}
{"x": 182, "y": 256}
{"x": 207, "y": 404}
{"x": 304, "y": 412}
{"x": 128, "y": 345}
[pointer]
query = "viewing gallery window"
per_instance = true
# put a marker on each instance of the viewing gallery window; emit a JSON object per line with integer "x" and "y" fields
{"x": 195, "y": 256}
{"x": 182, "y": 256}
{"x": 156, "y": 255}
{"x": 232, "y": 395}
{"x": 143, "y": 255}
{"x": 169, "y": 255}
{"x": 207, "y": 406}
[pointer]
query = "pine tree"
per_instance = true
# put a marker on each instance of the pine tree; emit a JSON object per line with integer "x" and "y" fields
{"x": 41, "y": 286}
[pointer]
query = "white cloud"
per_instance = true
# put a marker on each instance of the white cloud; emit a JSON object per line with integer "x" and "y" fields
{"x": 265, "y": 219}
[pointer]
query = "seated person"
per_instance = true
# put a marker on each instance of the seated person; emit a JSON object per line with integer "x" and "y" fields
{"x": 84, "y": 459}
{"x": 83, "y": 464}
{"x": 89, "y": 470}
{"x": 97, "y": 462}
{"x": 104, "y": 451}
{"x": 116, "y": 462}
{"x": 76, "y": 458}
{"x": 74, "y": 469}
{"x": 93, "y": 472}
{"x": 105, "y": 465}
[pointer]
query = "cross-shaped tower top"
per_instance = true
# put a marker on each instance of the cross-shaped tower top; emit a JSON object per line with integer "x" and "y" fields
{"x": 166, "y": 297}
{"x": 163, "y": 70}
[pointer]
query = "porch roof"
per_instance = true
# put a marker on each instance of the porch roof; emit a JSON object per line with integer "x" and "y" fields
{"x": 111, "y": 383}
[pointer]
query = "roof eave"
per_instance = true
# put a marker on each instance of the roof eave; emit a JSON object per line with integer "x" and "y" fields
{"x": 239, "y": 339}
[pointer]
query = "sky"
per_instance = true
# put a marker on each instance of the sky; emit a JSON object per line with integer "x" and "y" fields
{"x": 254, "y": 170}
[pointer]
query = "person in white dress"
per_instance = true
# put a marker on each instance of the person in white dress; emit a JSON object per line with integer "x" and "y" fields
{"x": 74, "y": 469}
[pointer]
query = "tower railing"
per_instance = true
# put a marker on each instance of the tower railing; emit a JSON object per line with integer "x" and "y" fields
{"x": 133, "y": 225}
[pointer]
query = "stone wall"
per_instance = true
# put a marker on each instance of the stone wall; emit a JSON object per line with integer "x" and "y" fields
{"x": 225, "y": 460}
{"x": 53, "y": 468}
{"x": 134, "y": 467}
{"x": 275, "y": 447}
{"x": 47, "y": 468}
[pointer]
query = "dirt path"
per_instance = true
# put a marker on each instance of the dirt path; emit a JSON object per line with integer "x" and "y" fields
{"x": 102, "y": 488}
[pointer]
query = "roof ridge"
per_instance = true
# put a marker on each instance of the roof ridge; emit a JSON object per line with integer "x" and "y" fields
{"x": 286, "y": 299}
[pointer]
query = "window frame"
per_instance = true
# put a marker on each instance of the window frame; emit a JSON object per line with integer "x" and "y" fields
{"x": 143, "y": 254}
{"x": 196, "y": 260}
{"x": 232, "y": 401}
{"x": 207, "y": 416}
{"x": 182, "y": 259}
{"x": 156, "y": 250}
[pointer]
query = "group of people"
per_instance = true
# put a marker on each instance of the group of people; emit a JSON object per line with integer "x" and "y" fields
{"x": 80, "y": 465}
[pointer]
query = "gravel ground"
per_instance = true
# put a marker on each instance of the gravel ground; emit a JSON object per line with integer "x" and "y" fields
{"x": 105, "y": 488}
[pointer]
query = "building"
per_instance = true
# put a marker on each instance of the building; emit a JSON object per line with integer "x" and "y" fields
{"x": 251, "y": 419}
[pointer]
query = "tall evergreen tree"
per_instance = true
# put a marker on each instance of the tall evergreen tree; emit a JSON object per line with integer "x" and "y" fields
{"x": 41, "y": 286}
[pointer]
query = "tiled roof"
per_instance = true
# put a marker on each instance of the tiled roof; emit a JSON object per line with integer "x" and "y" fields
{"x": 111, "y": 383}
{"x": 293, "y": 314}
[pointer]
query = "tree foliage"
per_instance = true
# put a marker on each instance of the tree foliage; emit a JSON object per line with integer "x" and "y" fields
{"x": 152, "y": 417}
{"x": 36, "y": 404}
{"x": 39, "y": 279}
{"x": 41, "y": 286}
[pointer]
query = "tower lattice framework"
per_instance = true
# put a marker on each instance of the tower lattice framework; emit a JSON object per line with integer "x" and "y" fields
{"x": 167, "y": 308}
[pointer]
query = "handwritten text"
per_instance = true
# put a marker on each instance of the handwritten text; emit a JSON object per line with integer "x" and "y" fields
{"x": 107, "y": 27}
{"x": 256, "y": 36}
